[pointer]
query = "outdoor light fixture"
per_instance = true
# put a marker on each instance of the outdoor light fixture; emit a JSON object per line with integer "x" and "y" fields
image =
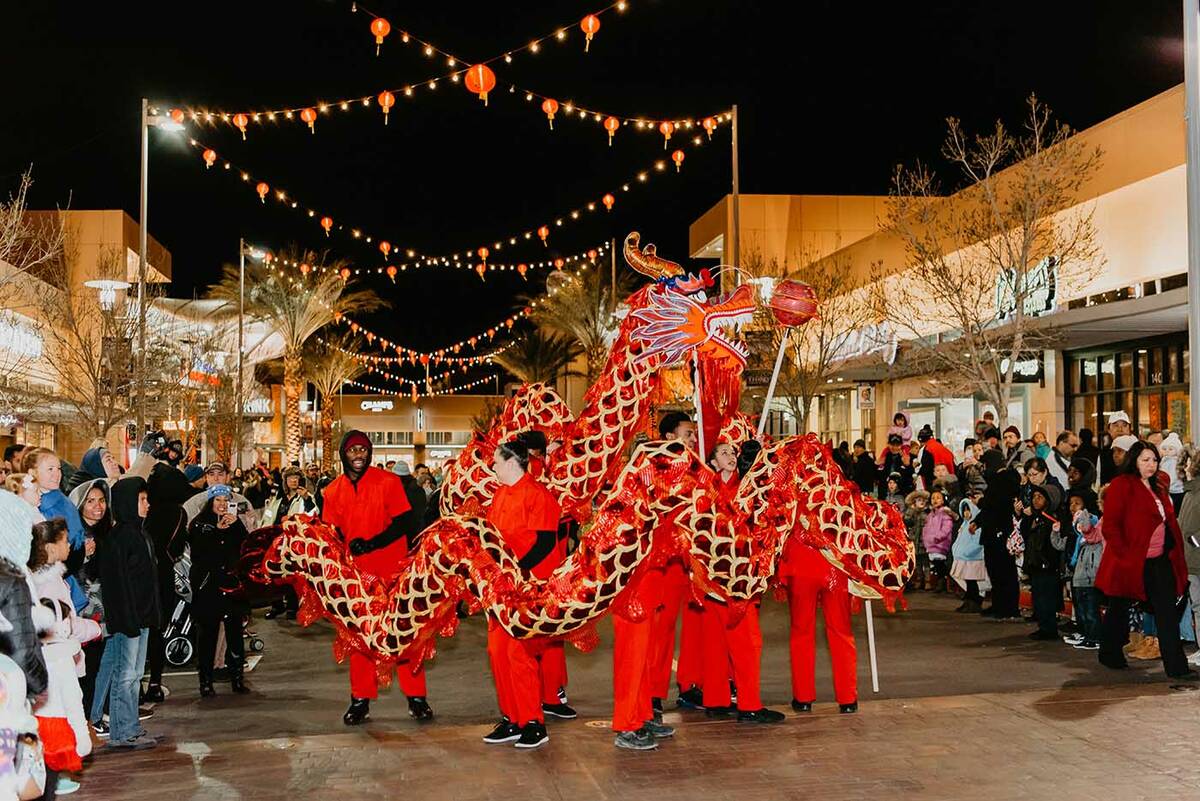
{"x": 108, "y": 291}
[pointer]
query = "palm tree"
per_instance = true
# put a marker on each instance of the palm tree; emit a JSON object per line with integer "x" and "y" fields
{"x": 329, "y": 363}
{"x": 582, "y": 307}
{"x": 540, "y": 357}
{"x": 295, "y": 308}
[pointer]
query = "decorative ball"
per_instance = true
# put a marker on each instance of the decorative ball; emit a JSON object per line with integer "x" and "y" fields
{"x": 793, "y": 303}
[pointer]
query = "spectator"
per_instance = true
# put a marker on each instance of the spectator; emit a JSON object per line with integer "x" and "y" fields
{"x": 1143, "y": 560}
{"x": 1040, "y": 531}
{"x": 194, "y": 474}
{"x": 845, "y": 462}
{"x": 1058, "y": 458}
{"x": 937, "y": 535}
{"x": 895, "y": 495}
{"x": 97, "y": 462}
{"x": 995, "y": 519}
{"x": 293, "y": 499}
{"x": 991, "y": 439}
{"x": 1087, "y": 447}
{"x": 947, "y": 482}
{"x": 1189, "y": 525}
{"x": 313, "y": 480}
{"x": 1118, "y": 426}
{"x": 1171, "y": 449}
{"x": 968, "y": 567}
{"x": 1016, "y": 452}
{"x": 17, "y": 594}
{"x": 865, "y": 471}
{"x": 894, "y": 460}
{"x": 970, "y": 471}
{"x": 44, "y": 466}
{"x": 166, "y": 524}
{"x": 1083, "y": 563}
{"x": 132, "y": 606}
{"x": 416, "y": 496}
{"x": 217, "y": 474}
{"x": 390, "y": 464}
{"x": 1081, "y": 478}
{"x": 1120, "y": 447}
{"x": 985, "y": 424}
{"x": 97, "y": 521}
{"x": 902, "y": 426}
{"x": 916, "y": 512}
{"x": 255, "y": 489}
{"x": 1040, "y": 444}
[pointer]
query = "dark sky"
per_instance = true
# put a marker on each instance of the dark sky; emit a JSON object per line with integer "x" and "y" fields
{"x": 832, "y": 94}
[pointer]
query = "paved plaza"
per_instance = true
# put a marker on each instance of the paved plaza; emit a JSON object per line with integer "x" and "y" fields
{"x": 968, "y": 709}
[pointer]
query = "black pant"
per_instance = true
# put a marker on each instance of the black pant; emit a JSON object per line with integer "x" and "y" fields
{"x": 972, "y": 593}
{"x": 92, "y": 652}
{"x": 1159, "y": 580}
{"x": 208, "y": 618}
{"x": 1002, "y": 572}
{"x": 1046, "y": 595}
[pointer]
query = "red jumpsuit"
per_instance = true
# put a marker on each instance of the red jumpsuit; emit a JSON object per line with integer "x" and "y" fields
{"x": 633, "y": 666}
{"x": 676, "y": 596}
{"x": 521, "y": 511}
{"x": 554, "y": 660}
{"x": 363, "y": 510}
{"x": 810, "y": 580}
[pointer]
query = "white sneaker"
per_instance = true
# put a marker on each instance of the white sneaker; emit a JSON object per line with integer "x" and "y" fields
{"x": 1194, "y": 659}
{"x": 1073, "y": 639}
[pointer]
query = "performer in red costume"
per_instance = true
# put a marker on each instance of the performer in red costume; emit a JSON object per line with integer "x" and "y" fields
{"x": 369, "y": 506}
{"x": 810, "y": 579}
{"x": 729, "y": 642}
{"x": 527, "y": 516}
{"x": 677, "y": 595}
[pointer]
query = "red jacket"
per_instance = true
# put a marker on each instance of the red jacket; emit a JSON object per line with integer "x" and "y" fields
{"x": 364, "y": 510}
{"x": 941, "y": 454}
{"x": 1130, "y": 517}
{"x": 521, "y": 511}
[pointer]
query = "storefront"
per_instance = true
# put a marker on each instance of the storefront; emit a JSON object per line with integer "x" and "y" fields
{"x": 436, "y": 429}
{"x": 1147, "y": 379}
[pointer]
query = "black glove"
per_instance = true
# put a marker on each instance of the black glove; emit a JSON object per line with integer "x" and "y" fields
{"x": 749, "y": 451}
{"x": 153, "y": 443}
{"x": 360, "y": 546}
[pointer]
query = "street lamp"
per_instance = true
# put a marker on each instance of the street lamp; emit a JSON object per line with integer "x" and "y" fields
{"x": 257, "y": 254}
{"x": 167, "y": 124}
{"x": 108, "y": 288}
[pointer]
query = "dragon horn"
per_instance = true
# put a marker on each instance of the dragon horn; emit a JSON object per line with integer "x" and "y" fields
{"x": 646, "y": 261}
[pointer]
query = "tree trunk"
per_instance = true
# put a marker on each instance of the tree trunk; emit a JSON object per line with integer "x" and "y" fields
{"x": 293, "y": 385}
{"x": 326, "y": 435}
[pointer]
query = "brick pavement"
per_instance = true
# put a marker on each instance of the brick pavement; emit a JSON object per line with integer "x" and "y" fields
{"x": 971, "y": 710}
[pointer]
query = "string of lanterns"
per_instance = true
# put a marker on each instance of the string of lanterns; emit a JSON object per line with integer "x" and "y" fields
{"x": 479, "y": 78}
{"x": 265, "y": 190}
{"x": 415, "y": 395}
{"x": 369, "y": 359}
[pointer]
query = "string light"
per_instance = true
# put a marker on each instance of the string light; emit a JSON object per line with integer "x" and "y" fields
{"x": 371, "y": 359}
{"x": 414, "y": 394}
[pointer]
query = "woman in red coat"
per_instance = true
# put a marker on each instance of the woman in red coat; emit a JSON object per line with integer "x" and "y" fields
{"x": 1143, "y": 560}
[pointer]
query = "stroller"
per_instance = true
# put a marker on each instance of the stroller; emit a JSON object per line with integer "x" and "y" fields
{"x": 179, "y": 637}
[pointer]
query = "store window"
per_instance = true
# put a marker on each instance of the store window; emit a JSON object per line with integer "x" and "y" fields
{"x": 1147, "y": 380}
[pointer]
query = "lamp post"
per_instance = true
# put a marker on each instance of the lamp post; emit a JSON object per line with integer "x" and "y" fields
{"x": 239, "y": 402}
{"x": 167, "y": 124}
{"x": 1191, "y": 76}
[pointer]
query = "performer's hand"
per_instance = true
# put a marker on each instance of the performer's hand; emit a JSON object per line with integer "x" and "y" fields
{"x": 359, "y": 546}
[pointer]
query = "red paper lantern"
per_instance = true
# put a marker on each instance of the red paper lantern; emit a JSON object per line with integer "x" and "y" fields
{"x": 337, "y": 316}
{"x": 522, "y": 269}
{"x": 710, "y": 125}
{"x": 509, "y": 323}
{"x": 385, "y": 247}
{"x": 344, "y": 273}
{"x": 354, "y": 327}
{"x": 590, "y": 24}
{"x": 327, "y": 224}
{"x": 611, "y": 124}
{"x": 491, "y": 332}
{"x": 309, "y": 115}
{"x": 481, "y": 269}
{"x": 550, "y": 106}
{"x": 591, "y": 254}
{"x": 481, "y": 80}
{"x": 666, "y": 129}
{"x": 240, "y": 121}
{"x": 262, "y": 190}
{"x": 544, "y": 234}
{"x": 177, "y": 116}
{"x": 483, "y": 254}
{"x": 305, "y": 268}
{"x": 381, "y": 28}
{"x": 558, "y": 263}
{"x": 608, "y": 200}
{"x": 386, "y": 100}
{"x": 424, "y": 358}
{"x": 472, "y": 341}
{"x": 793, "y": 303}
{"x": 210, "y": 158}
{"x": 391, "y": 272}
{"x": 677, "y": 157}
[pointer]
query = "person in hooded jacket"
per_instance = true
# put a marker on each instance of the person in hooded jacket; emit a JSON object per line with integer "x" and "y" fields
{"x": 369, "y": 507}
{"x": 1081, "y": 478}
{"x": 1042, "y": 533}
{"x": 132, "y": 607}
{"x": 94, "y": 502}
{"x": 96, "y": 463}
{"x": 995, "y": 525}
{"x": 168, "y": 490}
{"x": 20, "y": 643}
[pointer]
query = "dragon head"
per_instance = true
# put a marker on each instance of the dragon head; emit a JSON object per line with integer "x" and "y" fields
{"x": 679, "y": 317}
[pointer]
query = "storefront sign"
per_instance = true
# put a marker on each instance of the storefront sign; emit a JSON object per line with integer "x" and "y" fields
{"x": 8, "y": 420}
{"x": 866, "y": 396}
{"x": 1036, "y": 288}
{"x": 375, "y": 405}
{"x": 1027, "y": 370}
{"x": 20, "y": 337}
{"x": 756, "y": 378}
{"x": 257, "y": 407}
{"x": 879, "y": 338}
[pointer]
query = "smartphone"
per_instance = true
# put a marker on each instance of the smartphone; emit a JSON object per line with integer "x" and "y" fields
{"x": 243, "y": 507}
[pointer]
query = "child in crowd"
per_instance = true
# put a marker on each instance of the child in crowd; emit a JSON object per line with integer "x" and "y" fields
{"x": 901, "y": 427}
{"x": 895, "y": 495}
{"x": 948, "y": 483}
{"x": 936, "y": 535}
{"x": 1170, "y": 450}
{"x": 62, "y": 725}
{"x": 1038, "y": 530}
{"x": 916, "y": 510}
{"x": 1083, "y": 564}
{"x": 968, "y": 567}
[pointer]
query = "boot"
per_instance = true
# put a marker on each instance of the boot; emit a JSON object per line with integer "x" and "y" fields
{"x": 1148, "y": 650}
{"x": 206, "y": 683}
{"x": 419, "y": 708}
{"x": 237, "y": 681}
{"x": 358, "y": 712}
{"x": 1135, "y": 642}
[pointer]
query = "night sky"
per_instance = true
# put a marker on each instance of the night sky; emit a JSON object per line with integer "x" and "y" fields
{"x": 832, "y": 95}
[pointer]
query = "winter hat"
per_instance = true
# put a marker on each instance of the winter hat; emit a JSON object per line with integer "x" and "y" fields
{"x": 16, "y": 529}
{"x": 402, "y": 468}
{"x": 193, "y": 472}
{"x": 991, "y": 433}
{"x": 993, "y": 460}
{"x": 1013, "y": 430}
{"x": 895, "y": 439}
{"x": 925, "y": 434}
{"x": 894, "y": 476}
{"x": 1050, "y": 493}
{"x": 219, "y": 491}
{"x": 353, "y": 438}
{"x": 1171, "y": 445}
{"x": 93, "y": 463}
{"x": 1125, "y": 442}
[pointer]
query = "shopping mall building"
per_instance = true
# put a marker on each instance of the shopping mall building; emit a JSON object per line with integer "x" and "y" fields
{"x": 1122, "y": 335}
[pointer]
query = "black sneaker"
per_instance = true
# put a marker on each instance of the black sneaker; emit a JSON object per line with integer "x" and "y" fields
{"x": 101, "y": 729}
{"x": 848, "y": 709}
{"x": 358, "y": 712}
{"x": 656, "y": 704}
{"x": 801, "y": 706}
{"x": 763, "y": 715}
{"x": 139, "y": 742}
{"x": 559, "y": 711}
{"x": 692, "y": 698}
{"x": 274, "y": 612}
{"x": 658, "y": 730}
{"x": 155, "y": 694}
{"x": 145, "y": 712}
{"x": 640, "y": 740}
{"x": 533, "y": 735}
{"x": 419, "y": 708}
{"x": 720, "y": 711}
{"x": 505, "y": 732}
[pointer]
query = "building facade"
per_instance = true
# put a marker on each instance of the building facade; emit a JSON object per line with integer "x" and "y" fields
{"x": 426, "y": 432}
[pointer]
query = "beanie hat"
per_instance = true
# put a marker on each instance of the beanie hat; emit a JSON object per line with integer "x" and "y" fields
{"x": 1013, "y": 430}
{"x": 353, "y": 438}
{"x": 925, "y": 434}
{"x": 993, "y": 460}
{"x": 402, "y": 468}
{"x": 16, "y": 529}
{"x": 193, "y": 472}
{"x": 218, "y": 491}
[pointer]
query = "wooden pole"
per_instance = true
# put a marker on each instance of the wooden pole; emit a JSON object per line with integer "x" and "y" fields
{"x": 762, "y": 418}
{"x": 696, "y": 398}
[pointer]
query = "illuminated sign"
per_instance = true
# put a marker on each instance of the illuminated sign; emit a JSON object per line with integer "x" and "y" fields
{"x": 9, "y": 420}
{"x": 375, "y": 405}
{"x": 19, "y": 338}
{"x": 1037, "y": 289}
{"x": 879, "y": 338}
{"x": 257, "y": 406}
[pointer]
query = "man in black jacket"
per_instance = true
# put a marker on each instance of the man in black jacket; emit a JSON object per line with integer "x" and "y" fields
{"x": 995, "y": 520}
{"x": 865, "y": 470}
{"x": 168, "y": 490}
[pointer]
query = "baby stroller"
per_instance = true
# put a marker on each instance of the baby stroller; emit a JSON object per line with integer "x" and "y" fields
{"x": 179, "y": 637}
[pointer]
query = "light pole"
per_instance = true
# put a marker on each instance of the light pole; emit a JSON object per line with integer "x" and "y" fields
{"x": 239, "y": 402}
{"x": 167, "y": 124}
{"x": 1191, "y": 79}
